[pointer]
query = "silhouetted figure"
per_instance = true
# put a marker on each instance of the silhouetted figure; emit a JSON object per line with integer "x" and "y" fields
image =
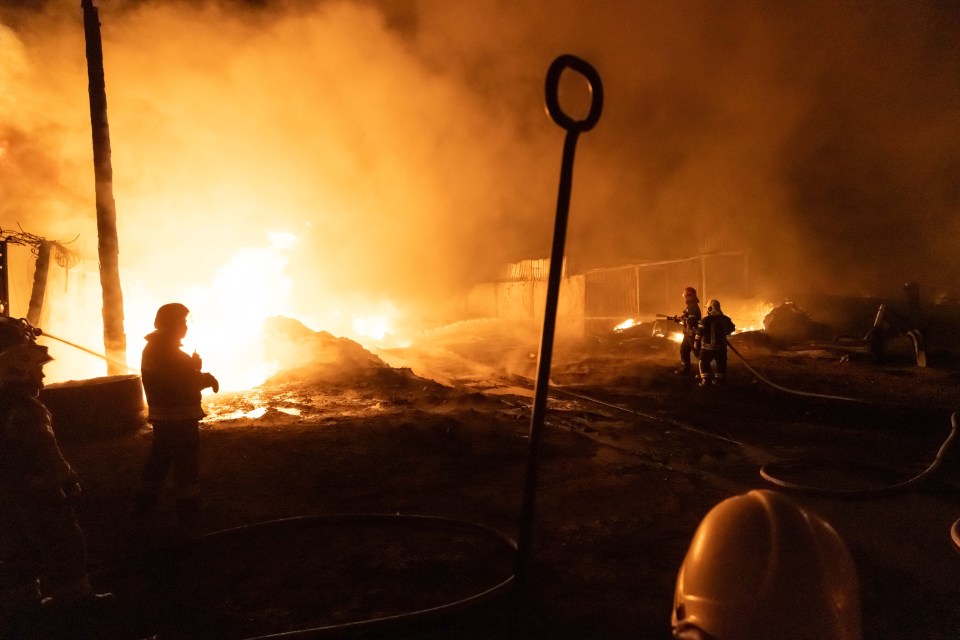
{"x": 689, "y": 319}
{"x": 712, "y": 332}
{"x": 760, "y": 567}
{"x": 42, "y": 549}
{"x": 172, "y": 382}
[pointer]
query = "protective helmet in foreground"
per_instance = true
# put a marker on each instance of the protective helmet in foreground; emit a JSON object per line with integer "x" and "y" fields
{"x": 689, "y": 292}
{"x": 713, "y": 308}
{"x": 21, "y": 358}
{"x": 170, "y": 315}
{"x": 760, "y": 567}
{"x": 15, "y": 332}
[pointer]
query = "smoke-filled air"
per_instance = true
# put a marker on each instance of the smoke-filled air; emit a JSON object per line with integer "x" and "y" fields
{"x": 359, "y": 165}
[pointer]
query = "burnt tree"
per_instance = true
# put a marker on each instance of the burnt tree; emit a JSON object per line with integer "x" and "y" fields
{"x": 114, "y": 337}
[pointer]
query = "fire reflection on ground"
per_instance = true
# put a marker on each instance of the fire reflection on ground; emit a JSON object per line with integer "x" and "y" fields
{"x": 285, "y": 404}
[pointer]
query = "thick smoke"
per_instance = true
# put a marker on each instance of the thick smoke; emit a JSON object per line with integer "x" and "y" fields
{"x": 821, "y": 137}
{"x": 405, "y": 143}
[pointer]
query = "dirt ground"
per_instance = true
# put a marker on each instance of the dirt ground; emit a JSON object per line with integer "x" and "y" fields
{"x": 633, "y": 457}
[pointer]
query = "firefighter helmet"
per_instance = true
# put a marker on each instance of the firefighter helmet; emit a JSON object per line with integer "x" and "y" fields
{"x": 16, "y": 331}
{"x": 21, "y": 358}
{"x": 713, "y": 308}
{"x": 689, "y": 292}
{"x": 170, "y": 315}
{"x": 759, "y": 566}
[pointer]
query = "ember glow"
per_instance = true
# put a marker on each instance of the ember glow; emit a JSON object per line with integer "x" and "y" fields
{"x": 228, "y": 314}
{"x": 751, "y": 316}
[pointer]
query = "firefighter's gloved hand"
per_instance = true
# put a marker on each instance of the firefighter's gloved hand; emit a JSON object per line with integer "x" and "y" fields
{"x": 213, "y": 383}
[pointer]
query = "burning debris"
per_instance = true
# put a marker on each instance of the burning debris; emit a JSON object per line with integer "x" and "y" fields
{"x": 314, "y": 356}
{"x": 891, "y": 337}
{"x": 789, "y": 323}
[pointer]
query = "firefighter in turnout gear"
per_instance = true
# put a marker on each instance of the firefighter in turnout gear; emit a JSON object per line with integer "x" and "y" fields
{"x": 42, "y": 549}
{"x": 712, "y": 332}
{"x": 172, "y": 382}
{"x": 689, "y": 319}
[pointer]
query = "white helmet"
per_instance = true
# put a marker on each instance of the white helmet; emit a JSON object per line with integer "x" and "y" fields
{"x": 761, "y": 567}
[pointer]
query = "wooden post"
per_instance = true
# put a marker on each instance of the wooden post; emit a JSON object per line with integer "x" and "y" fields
{"x": 40, "y": 274}
{"x": 114, "y": 337}
{"x": 4, "y": 280}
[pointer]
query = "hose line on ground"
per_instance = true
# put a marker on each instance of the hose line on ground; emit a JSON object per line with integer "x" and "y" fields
{"x": 506, "y": 543}
{"x": 795, "y": 392}
{"x": 672, "y": 423}
{"x": 769, "y": 472}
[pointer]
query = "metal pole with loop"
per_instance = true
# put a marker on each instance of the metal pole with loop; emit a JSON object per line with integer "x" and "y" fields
{"x": 574, "y": 128}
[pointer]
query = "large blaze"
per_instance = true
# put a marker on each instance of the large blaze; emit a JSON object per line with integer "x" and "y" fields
{"x": 228, "y": 311}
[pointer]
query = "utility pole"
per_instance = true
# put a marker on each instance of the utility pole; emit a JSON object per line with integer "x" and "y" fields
{"x": 114, "y": 337}
{"x": 4, "y": 279}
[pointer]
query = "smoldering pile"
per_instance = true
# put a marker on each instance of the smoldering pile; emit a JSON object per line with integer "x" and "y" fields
{"x": 309, "y": 358}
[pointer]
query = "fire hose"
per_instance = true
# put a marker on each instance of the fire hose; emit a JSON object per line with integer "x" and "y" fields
{"x": 795, "y": 392}
{"x": 391, "y": 622}
{"x": 770, "y": 472}
{"x": 31, "y": 332}
{"x": 91, "y": 352}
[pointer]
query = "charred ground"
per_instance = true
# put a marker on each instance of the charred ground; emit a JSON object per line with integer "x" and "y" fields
{"x": 633, "y": 457}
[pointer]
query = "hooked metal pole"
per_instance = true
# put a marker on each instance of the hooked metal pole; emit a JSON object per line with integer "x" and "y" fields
{"x": 574, "y": 128}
